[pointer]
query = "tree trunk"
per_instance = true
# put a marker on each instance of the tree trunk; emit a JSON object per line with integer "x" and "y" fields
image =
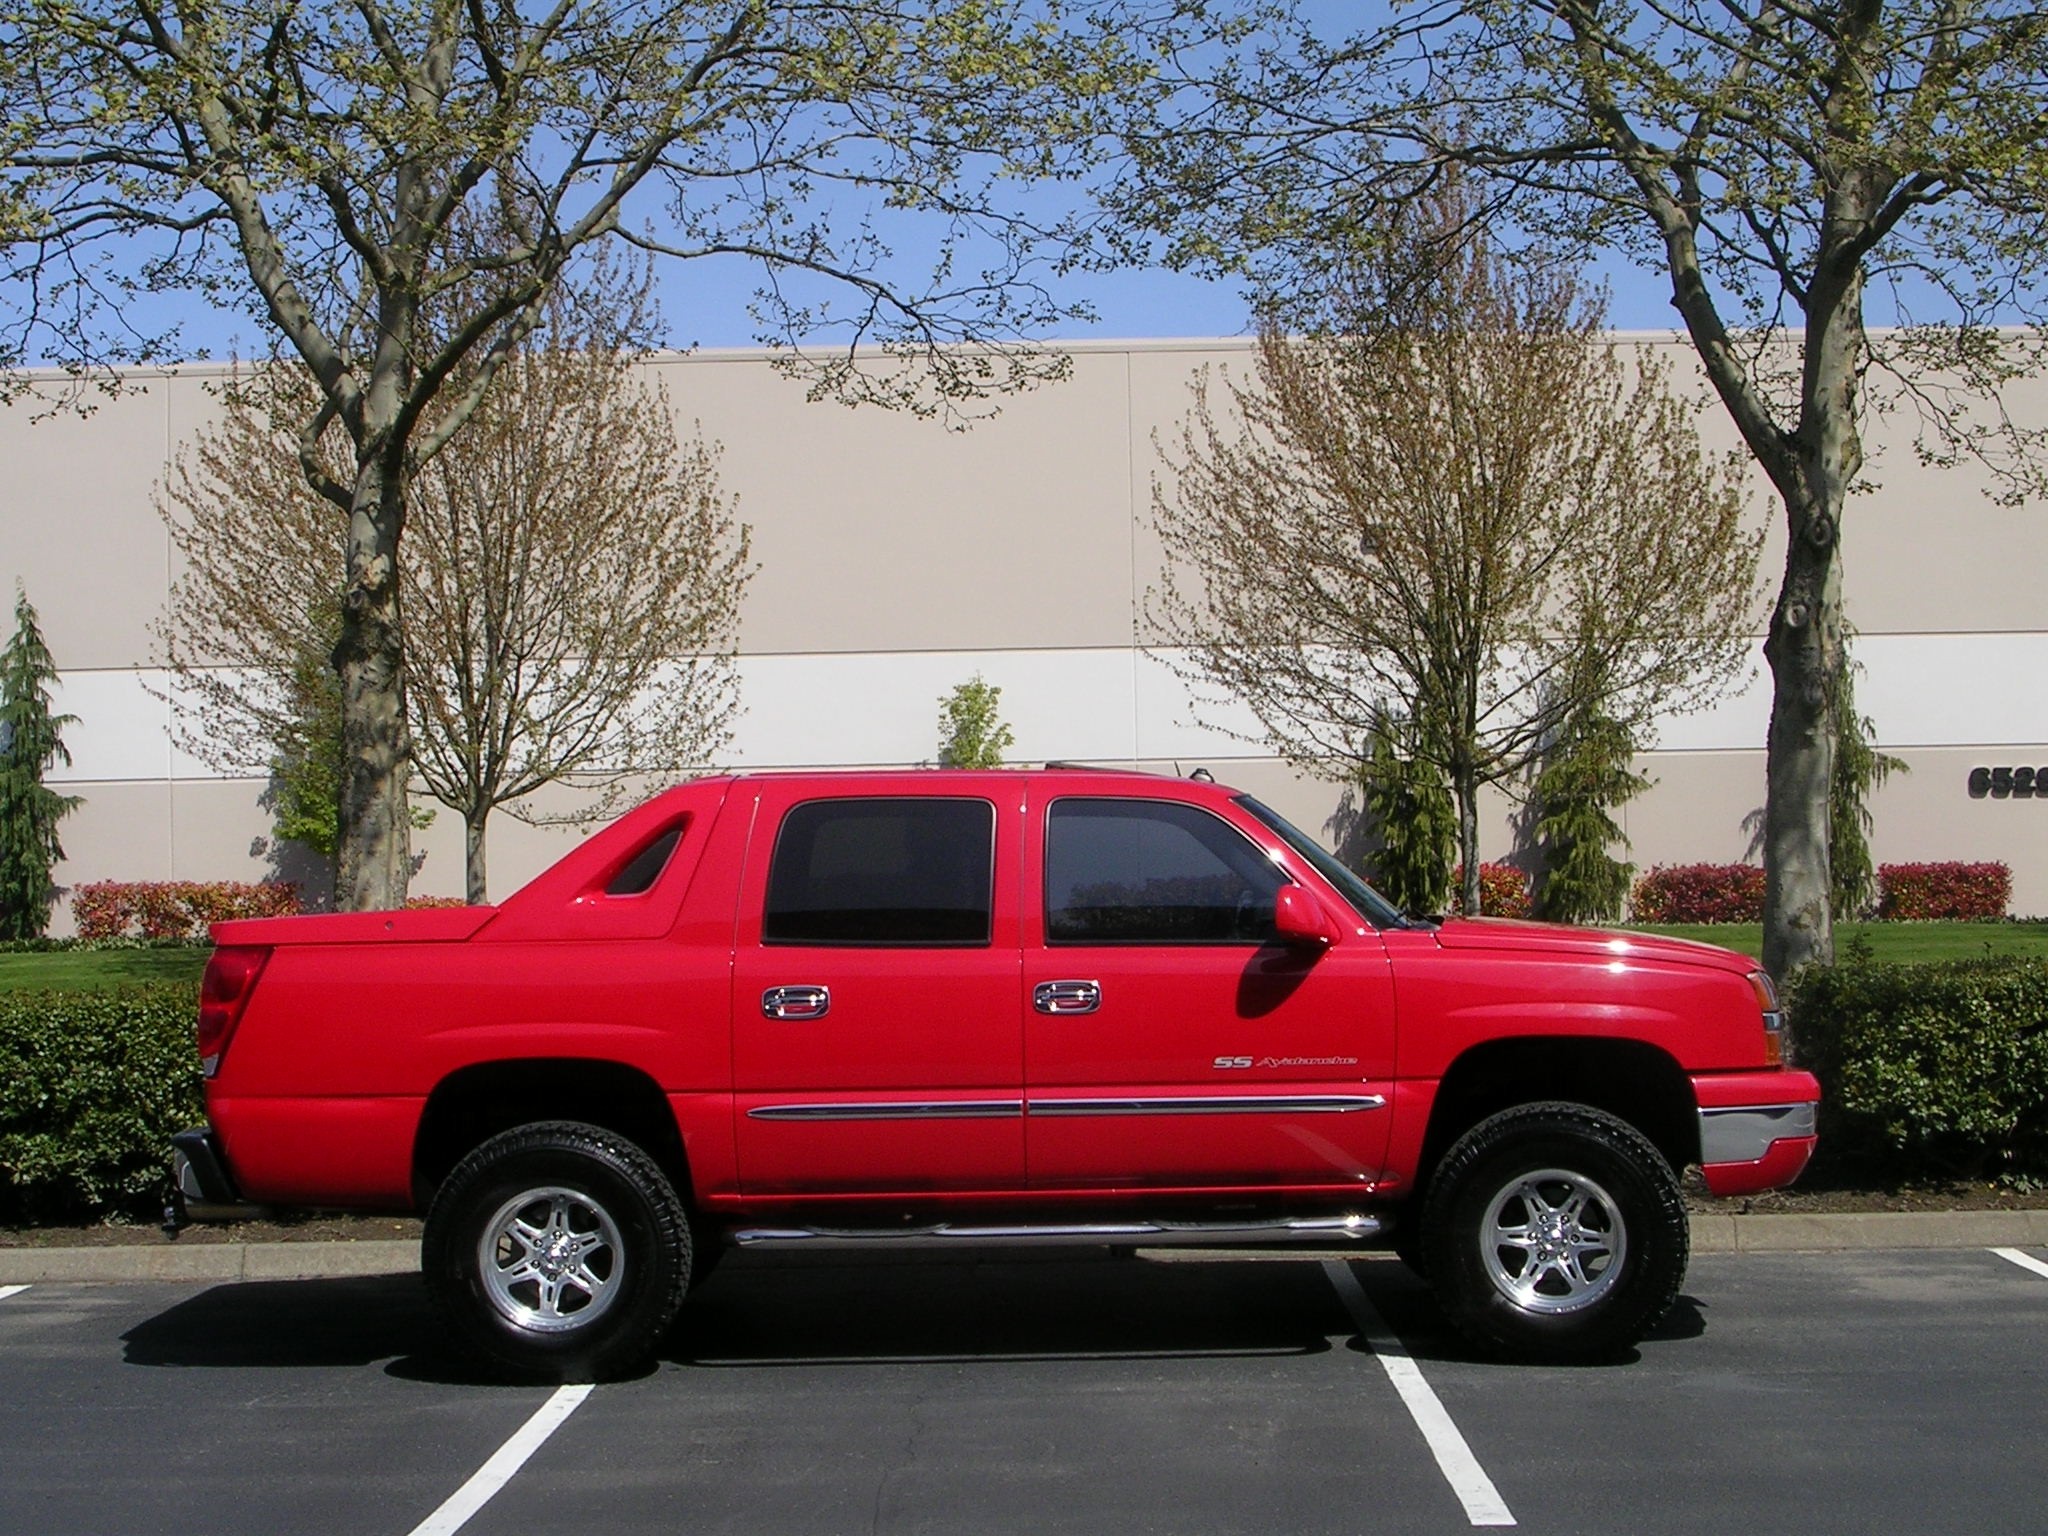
{"x": 473, "y": 856}
{"x": 1468, "y": 843}
{"x": 1805, "y": 652}
{"x": 374, "y": 859}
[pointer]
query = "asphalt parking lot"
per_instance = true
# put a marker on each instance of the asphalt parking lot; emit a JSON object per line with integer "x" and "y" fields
{"x": 1815, "y": 1392}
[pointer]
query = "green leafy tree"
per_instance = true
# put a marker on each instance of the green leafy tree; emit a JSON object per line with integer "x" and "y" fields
{"x": 517, "y": 675}
{"x": 1586, "y": 775}
{"x": 394, "y": 189}
{"x": 1451, "y": 499}
{"x": 31, "y": 742}
{"x": 1415, "y": 821}
{"x": 971, "y": 729}
{"x": 1772, "y": 162}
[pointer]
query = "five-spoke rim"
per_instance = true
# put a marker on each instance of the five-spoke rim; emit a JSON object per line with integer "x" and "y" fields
{"x": 1553, "y": 1241}
{"x": 551, "y": 1260}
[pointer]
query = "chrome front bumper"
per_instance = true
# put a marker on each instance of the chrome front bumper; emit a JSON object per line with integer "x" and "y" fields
{"x": 1745, "y": 1133}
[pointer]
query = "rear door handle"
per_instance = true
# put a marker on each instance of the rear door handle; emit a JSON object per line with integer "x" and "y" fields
{"x": 1066, "y": 997}
{"x": 796, "y": 1002}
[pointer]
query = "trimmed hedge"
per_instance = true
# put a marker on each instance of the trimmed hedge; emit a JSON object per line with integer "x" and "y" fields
{"x": 1954, "y": 891}
{"x": 173, "y": 909}
{"x": 1699, "y": 893}
{"x": 92, "y": 1086}
{"x": 1929, "y": 1071}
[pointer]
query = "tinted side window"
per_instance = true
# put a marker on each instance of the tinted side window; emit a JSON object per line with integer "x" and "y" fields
{"x": 638, "y": 875}
{"x": 1153, "y": 872}
{"x": 883, "y": 872}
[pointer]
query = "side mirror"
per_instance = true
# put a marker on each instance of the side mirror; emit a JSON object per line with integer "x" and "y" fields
{"x": 1298, "y": 918}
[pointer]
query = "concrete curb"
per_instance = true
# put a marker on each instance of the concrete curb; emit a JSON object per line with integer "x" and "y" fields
{"x": 208, "y": 1261}
{"x": 1711, "y": 1233}
{"x": 1793, "y": 1233}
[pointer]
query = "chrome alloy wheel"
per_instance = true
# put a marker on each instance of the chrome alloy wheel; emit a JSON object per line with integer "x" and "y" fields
{"x": 551, "y": 1260}
{"x": 1553, "y": 1241}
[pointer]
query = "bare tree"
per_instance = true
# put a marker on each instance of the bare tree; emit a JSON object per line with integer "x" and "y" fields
{"x": 1773, "y": 162}
{"x": 1458, "y": 503}
{"x": 574, "y": 592}
{"x": 313, "y": 163}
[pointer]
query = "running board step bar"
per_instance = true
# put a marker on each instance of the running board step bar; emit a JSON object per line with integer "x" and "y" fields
{"x": 1141, "y": 1234}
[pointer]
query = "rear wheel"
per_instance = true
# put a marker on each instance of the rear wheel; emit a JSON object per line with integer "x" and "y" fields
{"x": 1555, "y": 1232}
{"x": 558, "y": 1252}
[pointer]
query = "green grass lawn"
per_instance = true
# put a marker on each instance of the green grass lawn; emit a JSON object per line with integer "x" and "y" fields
{"x": 77, "y": 970}
{"x": 1897, "y": 943}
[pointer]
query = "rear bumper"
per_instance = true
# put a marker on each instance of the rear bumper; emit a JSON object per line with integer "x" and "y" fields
{"x": 201, "y": 1187}
{"x": 1757, "y": 1130}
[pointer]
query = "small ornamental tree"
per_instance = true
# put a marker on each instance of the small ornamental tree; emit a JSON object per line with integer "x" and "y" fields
{"x": 1859, "y": 771}
{"x": 1584, "y": 778}
{"x": 30, "y": 742}
{"x": 1452, "y": 496}
{"x": 1406, "y": 796}
{"x": 971, "y": 732}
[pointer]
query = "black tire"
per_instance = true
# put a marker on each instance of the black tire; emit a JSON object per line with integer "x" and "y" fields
{"x": 557, "y": 1252}
{"x": 1555, "y": 1233}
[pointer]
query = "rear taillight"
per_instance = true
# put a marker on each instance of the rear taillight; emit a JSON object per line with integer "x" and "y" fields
{"x": 1774, "y": 1018}
{"x": 223, "y": 994}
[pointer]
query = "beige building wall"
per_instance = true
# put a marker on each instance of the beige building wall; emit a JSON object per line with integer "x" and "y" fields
{"x": 898, "y": 558}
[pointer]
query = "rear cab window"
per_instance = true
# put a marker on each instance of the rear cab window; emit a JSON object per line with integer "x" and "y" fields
{"x": 884, "y": 872}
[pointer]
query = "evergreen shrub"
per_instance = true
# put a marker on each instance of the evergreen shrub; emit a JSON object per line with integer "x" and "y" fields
{"x": 92, "y": 1087}
{"x": 1929, "y": 1071}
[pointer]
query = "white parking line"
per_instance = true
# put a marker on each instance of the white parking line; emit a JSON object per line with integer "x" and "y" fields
{"x": 499, "y": 1470}
{"x": 1461, "y": 1469}
{"x": 2014, "y": 1256}
{"x": 11, "y": 1290}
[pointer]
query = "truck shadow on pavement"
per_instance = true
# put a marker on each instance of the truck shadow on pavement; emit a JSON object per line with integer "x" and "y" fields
{"x": 760, "y": 1313}
{"x": 868, "y": 1310}
{"x": 257, "y": 1324}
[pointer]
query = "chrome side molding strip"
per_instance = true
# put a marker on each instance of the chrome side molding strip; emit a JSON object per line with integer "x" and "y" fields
{"x": 943, "y": 1109}
{"x": 1350, "y": 1226}
{"x": 1234, "y": 1104}
{"x": 1010, "y": 1109}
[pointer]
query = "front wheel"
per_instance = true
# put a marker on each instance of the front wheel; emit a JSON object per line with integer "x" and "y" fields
{"x": 558, "y": 1252}
{"x": 1556, "y": 1233}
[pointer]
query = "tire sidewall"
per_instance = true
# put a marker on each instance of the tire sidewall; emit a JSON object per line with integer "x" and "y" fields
{"x": 612, "y": 1173}
{"x": 1605, "y": 1151}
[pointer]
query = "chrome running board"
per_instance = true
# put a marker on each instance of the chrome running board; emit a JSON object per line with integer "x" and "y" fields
{"x": 1347, "y": 1228}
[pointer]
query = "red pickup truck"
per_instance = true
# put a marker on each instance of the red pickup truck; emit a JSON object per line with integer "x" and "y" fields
{"x": 1012, "y": 1007}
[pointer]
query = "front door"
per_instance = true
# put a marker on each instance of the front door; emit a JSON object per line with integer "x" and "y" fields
{"x": 1169, "y": 1039}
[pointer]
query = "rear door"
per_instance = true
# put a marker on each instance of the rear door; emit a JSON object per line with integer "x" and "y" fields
{"x": 1169, "y": 1039}
{"x": 876, "y": 1043}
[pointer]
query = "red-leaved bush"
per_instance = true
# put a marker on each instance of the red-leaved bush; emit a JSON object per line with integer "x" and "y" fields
{"x": 1913, "y": 892}
{"x": 1503, "y": 890}
{"x": 1699, "y": 893}
{"x": 173, "y": 909}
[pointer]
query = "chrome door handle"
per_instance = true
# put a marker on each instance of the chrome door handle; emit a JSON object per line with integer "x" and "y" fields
{"x": 1066, "y": 997}
{"x": 796, "y": 1002}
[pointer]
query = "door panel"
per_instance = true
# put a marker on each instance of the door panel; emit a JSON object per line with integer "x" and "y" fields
{"x": 872, "y": 1064}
